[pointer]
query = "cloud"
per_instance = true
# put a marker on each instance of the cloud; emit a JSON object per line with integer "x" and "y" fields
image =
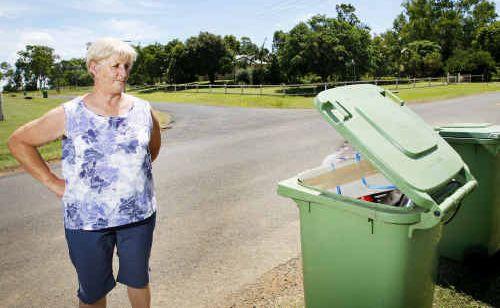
{"x": 132, "y": 29}
{"x": 68, "y": 42}
{"x": 115, "y": 7}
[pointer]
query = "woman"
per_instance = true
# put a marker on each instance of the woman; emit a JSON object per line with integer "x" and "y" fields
{"x": 109, "y": 141}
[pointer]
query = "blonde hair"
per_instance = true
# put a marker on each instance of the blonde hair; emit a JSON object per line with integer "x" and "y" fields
{"x": 104, "y": 48}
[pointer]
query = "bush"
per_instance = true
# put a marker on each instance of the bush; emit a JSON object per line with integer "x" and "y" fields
{"x": 310, "y": 78}
{"x": 243, "y": 76}
{"x": 471, "y": 62}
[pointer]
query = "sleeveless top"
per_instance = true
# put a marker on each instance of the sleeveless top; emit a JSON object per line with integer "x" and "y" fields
{"x": 106, "y": 165}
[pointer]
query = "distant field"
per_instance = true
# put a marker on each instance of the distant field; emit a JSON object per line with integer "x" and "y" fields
{"x": 217, "y": 97}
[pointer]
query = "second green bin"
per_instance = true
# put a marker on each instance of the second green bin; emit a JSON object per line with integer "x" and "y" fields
{"x": 475, "y": 229}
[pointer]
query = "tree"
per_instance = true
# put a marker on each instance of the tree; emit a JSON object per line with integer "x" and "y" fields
{"x": 72, "y": 72}
{"x": 249, "y": 52}
{"x": 35, "y": 64}
{"x": 346, "y": 12}
{"x": 471, "y": 62}
{"x": 386, "y": 53}
{"x": 488, "y": 39}
{"x": 452, "y": 24}
{"x": 208, "y": 54}
{"x": 328, "y": 47}
{"x": 5, "y": 70}
{"x": 180, "y": 68}
{"x": 421, "y": 58}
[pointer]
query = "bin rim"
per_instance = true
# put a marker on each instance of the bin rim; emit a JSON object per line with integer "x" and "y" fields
{"x": 291, "y": 188}
{"x": 482, "y": 132}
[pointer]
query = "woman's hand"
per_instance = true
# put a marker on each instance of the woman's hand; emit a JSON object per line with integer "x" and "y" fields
{"x": 57, "y": 186}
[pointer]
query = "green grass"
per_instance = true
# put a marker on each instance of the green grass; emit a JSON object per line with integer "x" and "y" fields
{"x": 218, "y": 98}
{"x": 18, "y": 111}
{"x": 420, "y": 95}
{"x": 229, "y": 99}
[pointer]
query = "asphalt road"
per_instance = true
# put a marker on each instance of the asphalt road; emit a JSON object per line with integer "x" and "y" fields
{"x": 221, "y": 224}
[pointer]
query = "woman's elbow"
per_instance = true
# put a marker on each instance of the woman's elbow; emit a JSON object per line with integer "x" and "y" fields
{"x": 14, "y": 141}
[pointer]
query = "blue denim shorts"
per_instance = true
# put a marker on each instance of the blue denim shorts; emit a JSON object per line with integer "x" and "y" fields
{"x": 91, "y": 253}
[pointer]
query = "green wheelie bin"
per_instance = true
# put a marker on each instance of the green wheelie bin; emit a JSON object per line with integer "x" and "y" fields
{"x": 358, "y": 252}
{"x": 475, "y": 230}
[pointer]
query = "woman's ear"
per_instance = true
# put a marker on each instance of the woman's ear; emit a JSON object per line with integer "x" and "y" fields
{"x": 93, "y": 68}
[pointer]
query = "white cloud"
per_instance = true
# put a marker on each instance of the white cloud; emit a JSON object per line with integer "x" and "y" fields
{"x": 132, "y": 29}
{"x": 68, "y": 42}
{"x": 145, "y": 7}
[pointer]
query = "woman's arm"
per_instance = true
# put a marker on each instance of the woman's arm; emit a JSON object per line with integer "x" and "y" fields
{"x": 24, "y": 141}
{"x": 155, "y": 140}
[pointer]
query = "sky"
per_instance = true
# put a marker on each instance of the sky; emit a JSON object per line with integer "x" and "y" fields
{"x": 68, "y": 25}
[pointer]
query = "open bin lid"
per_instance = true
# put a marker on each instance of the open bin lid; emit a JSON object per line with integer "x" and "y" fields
{"x": 393, "y": 138}
{"x": 482, "y": 131}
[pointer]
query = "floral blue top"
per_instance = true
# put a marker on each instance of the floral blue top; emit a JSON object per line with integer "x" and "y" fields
{"x": 106, "y": 164}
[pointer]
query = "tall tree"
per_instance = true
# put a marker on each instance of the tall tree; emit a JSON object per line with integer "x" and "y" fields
{"x": 209, "y": 54}
{"x": 35, "y": 63}
{"x": 488, "y": 39}
{"x": 328, "y": 47}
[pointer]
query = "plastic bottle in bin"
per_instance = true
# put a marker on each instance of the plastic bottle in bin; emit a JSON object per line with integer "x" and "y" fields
{"x": 373, "y": 188}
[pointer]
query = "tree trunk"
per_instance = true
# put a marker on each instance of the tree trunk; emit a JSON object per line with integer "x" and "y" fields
{"x": 1, "y": 110}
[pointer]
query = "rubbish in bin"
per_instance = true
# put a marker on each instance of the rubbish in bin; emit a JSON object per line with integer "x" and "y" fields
{"x": 390, "y": 197}
{"x": 352, "y": 246}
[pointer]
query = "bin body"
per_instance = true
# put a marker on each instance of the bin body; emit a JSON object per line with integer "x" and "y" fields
{"x": 475, "y": 229}
{"x": 351, "y": 261}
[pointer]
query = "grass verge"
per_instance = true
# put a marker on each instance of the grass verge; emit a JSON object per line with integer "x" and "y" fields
{"x": 18, "y": 111}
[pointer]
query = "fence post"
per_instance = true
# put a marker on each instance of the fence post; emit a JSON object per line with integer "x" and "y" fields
{"x": 210, "y": 87}
{"x": 458, "y": 80}
{"x": 261, "y": 90}
{"x": 482, "y": 77}
{"x": 175, "y": 87}
{"x": 326, "y": 86}
{"x": 430, "y": 82}
{"x": 225, "y": 88}
{"x": 414, "y": 82}
{"x": 282, "y": 89}
{"x": 241, "y": 86}
{"x": 1, "y": 110}
{"x": 197, "y": 88}
{"x": 397, "y": 83}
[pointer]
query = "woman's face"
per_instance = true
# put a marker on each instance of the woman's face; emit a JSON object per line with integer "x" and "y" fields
{"x": 111, "y": 74}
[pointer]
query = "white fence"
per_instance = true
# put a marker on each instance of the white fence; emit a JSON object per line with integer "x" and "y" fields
{"x": 307, "y": 89}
